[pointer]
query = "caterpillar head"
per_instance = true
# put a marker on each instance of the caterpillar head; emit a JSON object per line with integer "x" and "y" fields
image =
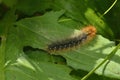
{"x": 90, "y": 30}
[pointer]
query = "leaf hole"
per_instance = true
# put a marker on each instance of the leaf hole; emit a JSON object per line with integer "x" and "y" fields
{"x": 29, "y": 48}
{"x": 40, "y": 55}
{"x": 57, "y": 59}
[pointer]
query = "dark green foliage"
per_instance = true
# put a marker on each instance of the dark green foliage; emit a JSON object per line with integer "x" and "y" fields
{"x": 28, "y": 26}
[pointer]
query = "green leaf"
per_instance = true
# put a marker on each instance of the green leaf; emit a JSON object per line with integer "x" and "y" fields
{"x": 89, "y": 56}
{"x": 30, "y": 7}
{"x": 86, "y": 12}
{"x": 27, "y": 32}
{"x": 27, "y": 69}
{"x": 40, "y": 31}
{"x": 85, "y": 58}
{"x": 39, "y": 28}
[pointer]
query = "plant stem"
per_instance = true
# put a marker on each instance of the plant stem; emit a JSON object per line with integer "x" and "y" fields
{"x": 109, "y": 8}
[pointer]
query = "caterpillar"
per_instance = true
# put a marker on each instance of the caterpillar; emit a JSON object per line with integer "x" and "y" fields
{"x": 77, "y": 39}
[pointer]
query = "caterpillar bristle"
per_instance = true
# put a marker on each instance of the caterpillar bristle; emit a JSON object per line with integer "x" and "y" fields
{"x": 84, "y": 36}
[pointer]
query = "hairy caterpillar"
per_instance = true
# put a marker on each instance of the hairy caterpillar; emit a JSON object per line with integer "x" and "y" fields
{"x": 78, "y": 38}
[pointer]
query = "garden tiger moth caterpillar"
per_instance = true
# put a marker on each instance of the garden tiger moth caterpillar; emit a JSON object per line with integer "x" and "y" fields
{"x": 77, "y": 39}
